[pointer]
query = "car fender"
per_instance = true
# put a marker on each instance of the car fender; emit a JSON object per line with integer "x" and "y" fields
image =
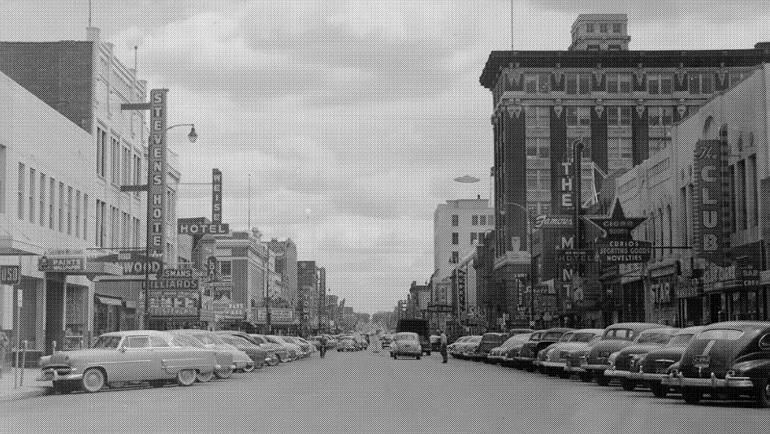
{"x": 754, "y": 368}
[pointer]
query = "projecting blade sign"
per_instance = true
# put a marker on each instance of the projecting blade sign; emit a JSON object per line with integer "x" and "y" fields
{"x": 617, "y": 246}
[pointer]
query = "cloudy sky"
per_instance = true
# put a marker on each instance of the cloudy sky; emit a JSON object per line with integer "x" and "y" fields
{"x": 352, "y": 117}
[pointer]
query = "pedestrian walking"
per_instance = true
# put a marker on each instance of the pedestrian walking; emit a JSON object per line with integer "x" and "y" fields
{"x": 322, "y": 349}
{"x": 442, "y": 336}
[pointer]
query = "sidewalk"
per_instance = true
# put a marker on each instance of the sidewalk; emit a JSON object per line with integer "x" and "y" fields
{"x": 31, "y": 387}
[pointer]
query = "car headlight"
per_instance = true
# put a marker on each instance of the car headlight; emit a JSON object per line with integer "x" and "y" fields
{"x": 613, "y": 356}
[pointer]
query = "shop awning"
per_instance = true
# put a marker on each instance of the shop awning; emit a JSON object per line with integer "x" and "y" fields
{"x": 109, "y": 301}
{"x": 13, "y": 246}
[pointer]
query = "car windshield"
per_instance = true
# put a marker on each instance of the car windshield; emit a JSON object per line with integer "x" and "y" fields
{"x": 567, "y": 337}
{"x": 535, "y": 336}
{"x": 180, "y": 340}
{"x": 235, "y": 340}
{"x": 680, "y": 340}
{"x": 107, "y": 342}
{"x": 653, "y": 338}
{"x": 552, "y": 336}
{"x": 582, "y": 337}
{"x": 625, "y": 334}
{"x": 475, "y": 339}
{"x": 206, "y": 338}
{"x": 405, "y": 337}
{"x": 720, "y": 334}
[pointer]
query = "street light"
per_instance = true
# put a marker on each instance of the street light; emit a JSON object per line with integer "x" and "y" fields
{"x": 529, "y": 249}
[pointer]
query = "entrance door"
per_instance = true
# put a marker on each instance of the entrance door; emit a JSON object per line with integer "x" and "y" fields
{"x": 54, "y": 313}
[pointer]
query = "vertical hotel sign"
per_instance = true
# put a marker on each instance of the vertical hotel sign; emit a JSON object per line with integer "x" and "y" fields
{"x": 156, "y": 234}
{"x": 708, "y": 230}
{"x": 216, "y": 196}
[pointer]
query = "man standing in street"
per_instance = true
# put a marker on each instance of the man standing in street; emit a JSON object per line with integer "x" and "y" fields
{"x": 443, "y": 346}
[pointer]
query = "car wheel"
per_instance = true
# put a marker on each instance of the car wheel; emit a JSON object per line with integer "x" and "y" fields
{"x": 602, "y": 380}
{"x": 418, "y": 357}
{"x": 627, "y": 385}
{"x": 205, "y": 377}
{"x": 564, "y": 374}
{"x": 395, "y": 357}
{"x": 186, "y": 377}
{"x": 659, "y": 390}
{"x": 762, "y": 393}
{"x": 157, "y": 383}
{"x": 248, "y": 368}
{"x": 692, "y": 396}
{"x": 273, "y": 361}
{"x": 93, "y": 380}
{"x": 586, "y": 377}
{"x": 224, "y": 373}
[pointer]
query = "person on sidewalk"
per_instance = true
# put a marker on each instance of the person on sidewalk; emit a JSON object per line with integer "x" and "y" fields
{"x": 443, "y": 341}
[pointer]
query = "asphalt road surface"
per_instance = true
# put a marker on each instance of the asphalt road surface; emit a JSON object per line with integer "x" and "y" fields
{"x": 369, "y": 393}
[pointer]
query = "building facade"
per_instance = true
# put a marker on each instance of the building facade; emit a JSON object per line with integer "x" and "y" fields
{"x": 621, "y": 104}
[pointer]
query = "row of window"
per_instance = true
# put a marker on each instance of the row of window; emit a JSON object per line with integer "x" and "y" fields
{"x": 604, "y": 28}
{"x": 51, "y": 203}
{"x": 125, "y": 165}
{"x": 580, "y": 116}
{"x": 474, "y": 237}
{"x": 475, "y": 220}
{"x": 699, "y": 83}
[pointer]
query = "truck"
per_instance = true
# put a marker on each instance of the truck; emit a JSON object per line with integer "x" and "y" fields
{"x": 419, "y": 326}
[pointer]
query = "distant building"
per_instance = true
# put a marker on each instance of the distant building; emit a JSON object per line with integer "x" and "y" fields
{"x": 286, "y": 266}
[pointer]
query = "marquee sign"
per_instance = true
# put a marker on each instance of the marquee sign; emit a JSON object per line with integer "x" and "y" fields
{"x": 156, "y": 234}
{"x": 133, "y": 263}
{"x": 216, "y": 196}
{"x": 617, "y": 246}
{"x": 182, "y": 302}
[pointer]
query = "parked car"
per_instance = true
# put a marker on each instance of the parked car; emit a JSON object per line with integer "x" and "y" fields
{"x": 469, "y": 347}
{"x": 454, "y": 347}
{"x": 304, "y": 347}
{"x": 275, "y": 352}
{"x": 726, "y": 359}
{"x": 257, "y": 355}
{"x": 488, "y": 341}
{"x": 497, "y": 354}
{"x": 126, "y": 357}
{"x": 406, "y": 344}
{"x": 347, "y": 344}
{"x": 290, "y": 349}
{"x": 652, "y": 367}
{"x": 509, "y": 359}
{"x": 306, "y": 344}
{"x": 419, "y": 326}
{"x": 648, "y": 340}
{"x": 556, "y": 355}
{"x": 528, "y": 353}
{"x": 223, "y": 352}
{"x": 614, "y": 338}
{"x": 543, "y": 354}
{"x": 514, "y": 332}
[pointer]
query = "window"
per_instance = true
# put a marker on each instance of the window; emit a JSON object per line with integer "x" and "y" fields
{"x": 752, "y": 168}
{"x": 589, "y": 27}
{"x": 660, "y": 84}
{"x": 77, "y": 214}
{"x": 537, "y": 116}
{"x": 21, "y": 181}
{"x": 455, "y": 220}
{"x": 41, "y": 204}
{"x": 114, "y": 227}
{"x": 32, "y": 179}
{"x": 61, "y": 207}
{"x": 613, "y": 47}
{"x": 101, "y": 151}
{"x": 137, "y": 172}
{"x": 594, "y": 47}
{"x": 618, "y": 147}
{"x": 578, "y": 84}
{"x": 126, "y": 160}
{"x": 52, "y": 201}
{"x": 538, "y": 147}
{"x": 157, "y": 341}
{"x": 491, "y": 220}
{"x": 531, "y": 180}
{"x": 455, "y": 257}
{"x": 85, "y": 216}
{"x": 578, "y": 116}
{"x": 474, "y": 220}
{"x": 537, "y": 83}
{"x": 741, "y": 178}
{"x": 100, "y": 223}
{"x": 225, "y": 269}
{"x": 619, "y": 116}
{"x": 473, "y": 237}
{"x": 124, "y": 229}
{"x": 660, "y": 116}
{"x": 603, "y": 28}
{"x": 137, "y": 342}
{"x": 617, "y": 28}
{"x": 455, "y": 238}
{"x": 136, "y": 232}
{"x": 69, "y": 210}
{"x": 483, "y": 220}
{"x": 618, "y": 82}
{"x": 701, "y": 83}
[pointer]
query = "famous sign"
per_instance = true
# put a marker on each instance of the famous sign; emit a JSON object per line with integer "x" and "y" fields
{"x": 617, "y": 226}
{"x": 623, "y": 251}
{"x": 553, "y": 221}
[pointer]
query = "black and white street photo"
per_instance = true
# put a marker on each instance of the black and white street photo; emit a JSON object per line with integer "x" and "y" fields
{"x": 379, "y": 216}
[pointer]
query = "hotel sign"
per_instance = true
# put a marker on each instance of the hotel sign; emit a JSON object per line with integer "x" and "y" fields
{"x": 156, "y": 234}
{"x": 708, "y": 231}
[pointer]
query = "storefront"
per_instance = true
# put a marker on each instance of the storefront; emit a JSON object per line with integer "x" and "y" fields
{"x": 734, "y": 293}
{"x": 661, "y": 294}
{"x": 689, "y": 298}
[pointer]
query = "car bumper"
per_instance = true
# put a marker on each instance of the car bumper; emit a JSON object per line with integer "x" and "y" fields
{"x": 616, "y": 373}
{"x": 525, "y": 359}
{"x": 575, "y": 369}
{"x": 553, "y": 365}
{"x": 599, "y": 368}
{"x": 53, "y": 375}
{"x": 242, "y": 364}
{"x": 712, "y": 383}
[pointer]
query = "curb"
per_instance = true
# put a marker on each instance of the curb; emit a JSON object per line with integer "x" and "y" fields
{"x": 26, "y": 392}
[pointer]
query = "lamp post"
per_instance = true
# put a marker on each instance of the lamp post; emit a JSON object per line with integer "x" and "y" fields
{"x": 529, "y": 249}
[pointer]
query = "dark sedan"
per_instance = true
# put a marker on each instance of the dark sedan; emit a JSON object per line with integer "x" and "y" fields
{"x": 654, "y": 366}
{"x": 726, "y": 360}
{"x": 615, "y": 338}
{"x": 528, "y": 353}
{"x": 627, "y": 358}
{"x": 488, "y": 341}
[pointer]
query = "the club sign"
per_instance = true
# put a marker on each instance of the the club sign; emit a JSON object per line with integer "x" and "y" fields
{"x": 188, "y": 228}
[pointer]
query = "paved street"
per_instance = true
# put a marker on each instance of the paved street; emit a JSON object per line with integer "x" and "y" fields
{"x": 366, "y": 392}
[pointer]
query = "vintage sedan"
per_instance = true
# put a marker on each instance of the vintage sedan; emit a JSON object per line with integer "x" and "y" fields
{"x": 126, "y": 357}
{"x": 488, "y": 341}
{"x": 497, "y": 354}
{"x": 726, "y": 360}
{"x": 648, "y": 340}
{"x": 452, "y": 348}
{"x": 406, "y": 344}
{"x": 556, "y": 355}
{"x": 255, "y": 353}
{"x": 213, "y": 342}
{"x": 652, "y": 367}
{"x": 275, "y": 352}
{"x": 614, "y": 338}
{"x": 528, "y": 353}
{"x": 509, "y": 359}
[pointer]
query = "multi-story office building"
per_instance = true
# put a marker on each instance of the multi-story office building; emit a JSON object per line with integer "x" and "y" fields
{"x": 307, "y": 295}
{"x": 67, "y": 149}
{"x": 457, "y": 227}
{"x": 621, "y": 103}
{"x": 286, "y": 265}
